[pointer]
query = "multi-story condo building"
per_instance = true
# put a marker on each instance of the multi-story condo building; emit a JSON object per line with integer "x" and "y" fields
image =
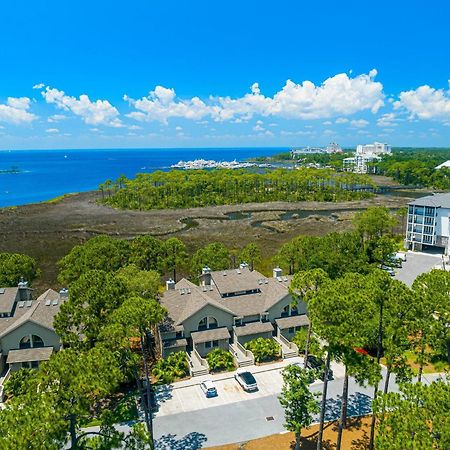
{"x": 365, "y": 156}
{"x": 27, "y": 336}
{"x": 332, "y": 147}
{"x": 428, "y": 222}
{"x": 228, "y": 309}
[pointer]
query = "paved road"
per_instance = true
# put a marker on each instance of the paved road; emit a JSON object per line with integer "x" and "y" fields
{"x": 250, "y": 419}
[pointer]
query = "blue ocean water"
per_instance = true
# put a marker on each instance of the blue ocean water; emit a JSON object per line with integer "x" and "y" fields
{"x": 45, "y": 174}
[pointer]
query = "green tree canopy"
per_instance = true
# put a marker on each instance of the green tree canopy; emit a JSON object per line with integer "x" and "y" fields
{"x": 143, "y": 283}
{"x": 92, "y": 299}
{"x": 298, "y": 401}
{"x": 14, "y": 267}
{"x": 215, "y": 255}
{"x": 101, "y": 252}
{"x": 250, "y": 254}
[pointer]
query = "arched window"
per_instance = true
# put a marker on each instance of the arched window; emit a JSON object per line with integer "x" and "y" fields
{"x": 285, "y": 311}
{"x": 31, "y": 341}
{"x": 207, "y": 322}
{"x": 37, "y": 341}
{"x": 25, "y": 342}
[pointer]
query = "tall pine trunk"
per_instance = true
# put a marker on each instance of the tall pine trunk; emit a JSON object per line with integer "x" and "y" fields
{"x": 308, "y": 340}
{"x": 323, "y": 405}
{"x": 388, "y": 376}
{"x": 375, "y": 391}
{"x": 149, "y": 418}
{"x": 343, "y": 418}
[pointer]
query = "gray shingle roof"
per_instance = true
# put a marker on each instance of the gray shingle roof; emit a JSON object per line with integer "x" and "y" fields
{"x": 29, "y": 354}
{"x": 174, "y": 343}
{"x": 253, "y": 328}
{"x": 292, "y": 321}
{"x": 270, "y": 292}
{"x": 236, "y": 280}
{"x": 7, "y": 298}
{"x": 436, "y": 200}
{"x": 213, "y": 334}
{"x": 41, "y": 311}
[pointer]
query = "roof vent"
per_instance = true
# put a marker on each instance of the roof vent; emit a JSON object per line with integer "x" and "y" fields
{"x": 182, "y": 292}
{"x": 170, "y": 284}
{"x": 204, "y": 289}
{"x": 188, "y": 290}
{"x": 285, "y": 279}
{"x": 266, "y": 281}
{"x": 279, "y": 279}
{"x": 48, "y": 302}
{"x": 21, "y": 304}
{"x": 210, "y": 288}
{"x": 224, "y": 274}
{"x": 238, "y": 271}
{"x": 28, "y": 303}
{"x": 2, "y": 290}
{"x": 55, "y": 302}
{"x": 260, "y": 281}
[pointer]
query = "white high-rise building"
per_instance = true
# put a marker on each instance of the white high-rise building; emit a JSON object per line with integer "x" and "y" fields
{"x": 377, "y": 148}
{"x": 365, "y": 155}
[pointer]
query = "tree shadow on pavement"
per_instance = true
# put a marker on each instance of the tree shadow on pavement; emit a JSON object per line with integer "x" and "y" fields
{"x": 192, "y": 441}
{"x": 358, "y": 405}
{"x": 163, "y": 393}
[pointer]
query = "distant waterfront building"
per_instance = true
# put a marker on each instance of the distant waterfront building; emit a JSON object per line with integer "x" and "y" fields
{"x": 445, "y": 164}
{"x": 428, "y": 222}
{"x": 332, "y": 147}
{"x": 365, "y": 156}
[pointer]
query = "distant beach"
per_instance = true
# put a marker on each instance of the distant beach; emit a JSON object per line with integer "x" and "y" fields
{"x": 41, "y": 175}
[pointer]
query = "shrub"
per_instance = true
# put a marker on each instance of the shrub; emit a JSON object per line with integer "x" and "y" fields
{"x": 18, "y": 382}
{"x": 174, "y": 366}
{"x": 263, "y": 349}
{"x": 220, "y": 359}
{"x": 300, "y": 340}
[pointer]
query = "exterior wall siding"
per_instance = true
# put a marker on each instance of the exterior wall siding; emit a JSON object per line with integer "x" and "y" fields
{"x": 203, "y": 350}
{"x": 12, "y": 340}
{"x": 223, "y": 318}
{"x": 244, "y": 339}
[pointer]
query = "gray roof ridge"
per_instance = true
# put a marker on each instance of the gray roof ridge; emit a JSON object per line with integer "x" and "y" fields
{"x": 21, "y": 320}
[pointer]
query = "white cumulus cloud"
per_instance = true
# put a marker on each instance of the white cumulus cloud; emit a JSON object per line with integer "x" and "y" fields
{"x": 338, "y": 95}
{"x": 38, "y": 86}
{"x": 16, "y": 111}
{"x": 359, "y": 123}
{"x": 52, "y": 130}
{"x": 425, "y": 102}
{"x": 99, "y": 112}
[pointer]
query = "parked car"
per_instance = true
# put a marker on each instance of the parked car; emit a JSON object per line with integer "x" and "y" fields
{"x": 246, "y": 380}
{"x": 401, "y": 256}
{"x": 209, "y": 388}
{"x": 314, "y": 363}
{"x": 389, "y": 270}
{"x": 394, "y": 262}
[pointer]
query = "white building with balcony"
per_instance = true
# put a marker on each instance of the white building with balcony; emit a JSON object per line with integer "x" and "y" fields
{"x": 365, "y": 156}
{"x": 428, "y": 223}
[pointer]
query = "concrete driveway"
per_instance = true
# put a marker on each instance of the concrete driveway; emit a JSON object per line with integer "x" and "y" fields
{"x": 187, "y": 395}
{"x": 253, "y": 418}
{"x": 416, "y": 264}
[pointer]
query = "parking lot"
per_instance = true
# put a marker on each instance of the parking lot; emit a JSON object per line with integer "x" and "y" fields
{"x": 187, "y": 396}
{"x": 416, "y": 264}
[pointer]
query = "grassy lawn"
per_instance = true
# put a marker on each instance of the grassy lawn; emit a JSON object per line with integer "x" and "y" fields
{"x": 434, "y": 366}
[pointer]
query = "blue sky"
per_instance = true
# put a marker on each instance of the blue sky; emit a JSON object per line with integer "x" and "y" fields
{"x": 99, "y": 74}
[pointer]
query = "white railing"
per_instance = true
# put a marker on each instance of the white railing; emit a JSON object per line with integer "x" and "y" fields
{"x": 292, "y": 345}
{"x": 243, "y": 350}
{"x": 201, "y": 360}
{"x": 5, "y": 379}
